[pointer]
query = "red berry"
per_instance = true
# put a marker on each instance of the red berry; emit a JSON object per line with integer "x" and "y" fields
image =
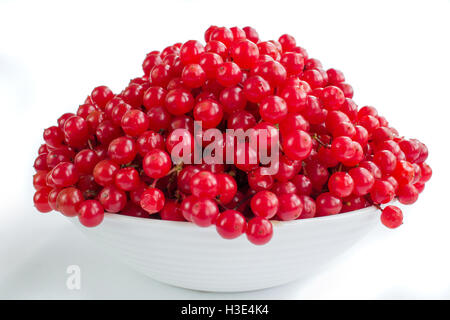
{"x": 426, "y": 171}
{"x": 407, "y": 194}
{"x": 53, "y": 136}
{"x": 256, "y": 89}
{"x": 209, "y": 112}
{"x": 204, "y": 185}
{"x": 293, "y": 63}
{"x": 259, "y": 231}
{"x": 127, "y": 179}
{"x": 90, "y": 213}
{"x": 230, "y": 224}
{"x": 193, "y": 76}
{"x": 227, "y": 188}
{"x": 290, "y": 207}
{"x": 153, "y": 97}
{"x": 134, "y": 122}
{"x": 68, "y": 201}
{"x": 258, "y": 181}
{"x": 245, "y": 53}
{"x": 392, "y": 217}
{"x": 340, "y": 184}
{"x": 64, "y": 175}
{"x": 223, "y": 35}
{"x": 332, "y": 98}
{"x": 228, "y": 74}
{"x": 297, "y": 145}
{"x": 40, "y": 200}
{"x": 404, "y": 172}
{"x": 309, "y": 207}
{"x": 210, "y": 61}
{"x": 264, "y": 204}
{"x": 104, "y": 172}
{"x": 382, "y": 192}
{"x": 179, "y": 101}
{"x": 156, "y": 164}
{"x": 251, "y": 34}
{"x": 386, "y": 161}
{"x": 76, "y": 131}
{"x": 85, "y": 160}
{"x": 273, "y": 109}
{"x": 363, "y": 180}
{"x": 327, "y": 204}
{"x": 122, "y": 150}
{"x": 152, "y": 200}
{"x": 112, "y": 199}
{"x": 191, "y": 51}
{"x": 203, "y": 212}
{"x": 232, "y": 99}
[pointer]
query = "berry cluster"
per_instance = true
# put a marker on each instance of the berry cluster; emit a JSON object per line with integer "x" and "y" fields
{"x": 115, "y": 153}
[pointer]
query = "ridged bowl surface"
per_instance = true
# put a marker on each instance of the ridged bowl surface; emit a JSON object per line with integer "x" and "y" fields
{"x": 184, "y": 255}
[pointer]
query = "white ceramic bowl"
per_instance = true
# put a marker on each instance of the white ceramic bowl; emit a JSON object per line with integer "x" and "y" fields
{"x": 184, "y": 255}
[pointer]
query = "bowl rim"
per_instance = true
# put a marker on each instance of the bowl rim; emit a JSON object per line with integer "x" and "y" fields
{"x": 276, "y": 223}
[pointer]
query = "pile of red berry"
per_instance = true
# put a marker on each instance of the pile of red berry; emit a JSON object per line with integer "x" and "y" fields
{"x": 116, "y": 153}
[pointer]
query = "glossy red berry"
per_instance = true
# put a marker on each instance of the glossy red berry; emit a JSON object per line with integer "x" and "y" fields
{"x": 112, "y": 199}
{"x": 127, "y": 179}
{"x": 386, "y": 161}
{"x": 382, "y": 192}
{"x": 65, "y": 174}
{"x": 259, "y": 231}
{"x": 327, "y": 204}
{"x": 156, "y": 164}
{"x": 273, "y": 109}
{"x": 193, "y": 76}
{"x": 179, "y": 101}
{"x": 53, "y": 136}
{"x": 122, "y": 150}
{"x": 40, "y": 200}
{"x": 134, "y": 122}
{"x": 228, "y": 74}
{"x": 104, "y": 172}
{"x": 204, "y": 185}
{"x": 259, "y": 181}
{"x": 153, "y": 97}
{"x": 209, "y": 62}
{"x": 293, "y": 62}
{"x": 341, "y": 184}
{"x": 191, "y": 51}
{"x": 363, "y": 180}
{"x": 297, "y": 145}
{"x": 223, "y": 35}
{"x": 227, "y": 188}
{"x": 90, "y": 213}
{"x": 407, "y": 194}
{"x": 68, "y": 201}
{"x": 392, "y": 217}
{"x": 245, "y": 53}
{"x": 204, "y": 212}
{"x": 209, "y": 112}
{"x": 256, "y": 89}
{"x": 152, "y": 200}
{"x": 332, "y": 97}
{"x": 76, "y": 131}
{"x": 232, "y": 99}
{"x": 230, "y": 224}
{"x": 290, "y": 207}
{"x": 264, "y": 204}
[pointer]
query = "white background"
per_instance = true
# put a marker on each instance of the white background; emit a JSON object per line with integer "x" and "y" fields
{"x": 52, "y": 53}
